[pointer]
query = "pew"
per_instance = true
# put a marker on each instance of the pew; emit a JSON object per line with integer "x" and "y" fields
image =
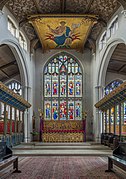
{"x": 118, "y": 158}
{"x": 6, "y": 158}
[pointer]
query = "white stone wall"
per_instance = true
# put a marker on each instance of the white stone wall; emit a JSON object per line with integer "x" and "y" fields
{"x": 100, "y": 64}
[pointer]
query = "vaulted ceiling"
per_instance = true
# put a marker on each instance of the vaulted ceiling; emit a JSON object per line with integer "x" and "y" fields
{"x": 21, "y": 9}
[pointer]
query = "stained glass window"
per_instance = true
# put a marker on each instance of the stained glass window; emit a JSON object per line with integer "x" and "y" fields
{"x": 111, "y": 86}
{"x": 62, "y": 89}
{"x": 15, "y": 86}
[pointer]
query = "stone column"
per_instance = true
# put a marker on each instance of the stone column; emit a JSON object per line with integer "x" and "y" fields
{"x": 97, "y": 114}
{"x": 27, "y": 115}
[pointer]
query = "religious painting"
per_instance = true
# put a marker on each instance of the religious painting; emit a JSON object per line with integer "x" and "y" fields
{"x": 54, "y": 110}
{"x": 63, "y": 110}
{"x": 47, "y": 110}
{"x": 61, "y": 31}
{"x": 70, "y": 110}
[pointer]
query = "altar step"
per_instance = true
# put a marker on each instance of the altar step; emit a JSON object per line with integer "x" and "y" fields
{"x": 61, "y": 149}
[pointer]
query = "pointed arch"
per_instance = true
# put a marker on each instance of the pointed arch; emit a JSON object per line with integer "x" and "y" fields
{"x": 62, "y": 86}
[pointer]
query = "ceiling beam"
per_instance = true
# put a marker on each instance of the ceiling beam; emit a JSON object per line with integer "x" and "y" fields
{"x": 10, "y": 76}
{"x": 63, "y": 6}
{"x": 7, "y": 65}
{"x": 119, "y": 57}
{"x": 122, "y": 2}
{"x": 115, "y": 71}
{"x": 5, "y": 74}
{"x": 123, "y": 66}
{"x": 116, "y": 60}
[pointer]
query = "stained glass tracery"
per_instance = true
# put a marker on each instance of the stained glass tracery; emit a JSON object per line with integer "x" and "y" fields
{"x": 63, "y": 89}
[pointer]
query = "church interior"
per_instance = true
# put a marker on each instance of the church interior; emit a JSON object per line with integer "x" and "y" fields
{"x": 62, "y": 89}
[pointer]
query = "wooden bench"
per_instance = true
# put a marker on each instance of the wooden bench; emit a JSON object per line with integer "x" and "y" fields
{"x": 11, "y": 160}
{"x": 121, "y": 163}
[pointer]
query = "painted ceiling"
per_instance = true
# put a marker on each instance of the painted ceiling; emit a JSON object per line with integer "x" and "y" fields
{"x": 21, "y": 9}
{"x": 67, "y": 31}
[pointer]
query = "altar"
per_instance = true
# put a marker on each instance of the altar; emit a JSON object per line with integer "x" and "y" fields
{"x": 63, "y": 131}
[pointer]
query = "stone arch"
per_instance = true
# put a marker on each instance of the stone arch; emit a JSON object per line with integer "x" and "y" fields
{"x": 21, "y": 61}
{"x": 104, "y": 61}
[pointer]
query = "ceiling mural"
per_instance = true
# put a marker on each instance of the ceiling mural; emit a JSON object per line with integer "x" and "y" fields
{"x": 66, "y": 31}
{"x": 21, "y": 9}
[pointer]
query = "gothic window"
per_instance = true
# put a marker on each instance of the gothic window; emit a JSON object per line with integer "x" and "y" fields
{"x": 111, "y": 86}
{"x": 22, "y": 41}
{"x": 12, "y": 27}
{"x": 63, "y": 89}
{"x": 15, "y": 86}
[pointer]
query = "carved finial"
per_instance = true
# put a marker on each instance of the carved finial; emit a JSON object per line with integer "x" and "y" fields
{"x": 40, "y": 112}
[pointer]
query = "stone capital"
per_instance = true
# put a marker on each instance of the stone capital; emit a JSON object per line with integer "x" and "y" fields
{"x": 124, "y": 13}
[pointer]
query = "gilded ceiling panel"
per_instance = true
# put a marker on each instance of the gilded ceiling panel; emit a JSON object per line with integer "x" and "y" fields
{"x": 22, "y": 8}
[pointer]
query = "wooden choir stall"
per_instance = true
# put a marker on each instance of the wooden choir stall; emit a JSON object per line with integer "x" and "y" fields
{"x": 112, "y": 109}
{"x": 12, "y": 107}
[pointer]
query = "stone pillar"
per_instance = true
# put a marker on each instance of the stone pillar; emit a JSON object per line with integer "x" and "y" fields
{"x": 97, "y": 114}
{"x": 27, "y": 115}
